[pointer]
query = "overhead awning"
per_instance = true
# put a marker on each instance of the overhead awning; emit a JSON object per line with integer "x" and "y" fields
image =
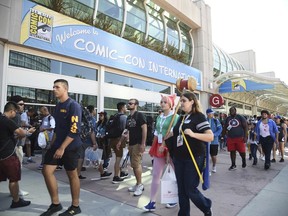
{"x": 260, "y": 90}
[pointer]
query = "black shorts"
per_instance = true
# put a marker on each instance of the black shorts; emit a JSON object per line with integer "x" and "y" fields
{"x": 213, "y": 150}
{"x": 69, "y": 158}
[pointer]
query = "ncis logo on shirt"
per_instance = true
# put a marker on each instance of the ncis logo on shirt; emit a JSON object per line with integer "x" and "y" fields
{"x": 74, "y": 120}
{"x": 63, "y": 111}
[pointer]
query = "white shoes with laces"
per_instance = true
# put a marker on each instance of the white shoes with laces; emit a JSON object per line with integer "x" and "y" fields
{"x": 137, "y": 189}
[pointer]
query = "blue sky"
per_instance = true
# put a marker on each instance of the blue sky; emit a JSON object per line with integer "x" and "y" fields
{"x": 259, "y": 25}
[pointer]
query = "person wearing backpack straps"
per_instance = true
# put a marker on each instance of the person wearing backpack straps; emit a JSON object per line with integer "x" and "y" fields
{"x": 216, "y": 128}
{"x": 119, "y": 121}
{"x": 90, "y": 139}
{"x": 136, "y": 133}
{"x": 48, "y": 125}
{"x": 236, "y": 128}
{"x": 64, "y": 150}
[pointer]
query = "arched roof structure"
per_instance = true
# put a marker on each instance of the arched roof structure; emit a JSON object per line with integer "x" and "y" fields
{"x": 273, "y": 95}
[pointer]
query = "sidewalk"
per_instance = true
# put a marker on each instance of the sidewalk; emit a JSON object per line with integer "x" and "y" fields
{"x": 243, "y": 192}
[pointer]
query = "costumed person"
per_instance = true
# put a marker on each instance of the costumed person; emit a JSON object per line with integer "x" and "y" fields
{"x": 159, "y": 150}
{"x": 196, "y": 129}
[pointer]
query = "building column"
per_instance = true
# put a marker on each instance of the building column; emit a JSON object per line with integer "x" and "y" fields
{"x": 2, "y": 80}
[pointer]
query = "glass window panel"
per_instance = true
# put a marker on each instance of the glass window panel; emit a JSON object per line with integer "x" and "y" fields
{"x": 52, "y": 66}
{"x": 89, "y": 3}
{"x": 42, "y": 96}
{"x": 136, "y": 21}
{"x": 112, "y": 8}
{"x": 78, "y": 71}
{"x": 110, "y": 16}
{"x": 135, "y": 83}
{"x": 148, "y": 108}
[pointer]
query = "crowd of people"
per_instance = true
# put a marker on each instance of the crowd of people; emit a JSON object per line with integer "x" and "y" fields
{"x": 179, "y": 139}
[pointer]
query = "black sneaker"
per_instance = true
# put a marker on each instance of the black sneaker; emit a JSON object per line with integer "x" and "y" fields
{"x": 20, "y": 203}
{"x": 105, "y": 175}
{"x": 117, "y": 180}
{"x": 273, "y": 160}
{"x": 232, "y": 167}
{"x": 52, "y": 209}
{"x": 266, "y": 166}
{"x": 209, "y": 213}
{"x": 123, "y": 175}
{"x": 81, "y": 177}
{"x": 71, "y": 211}
{"x": 243, "y": 164}
{"x": 281, "y": 160}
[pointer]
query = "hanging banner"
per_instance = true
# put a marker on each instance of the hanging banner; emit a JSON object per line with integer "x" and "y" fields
{"x": 243, "y": 86}
{"x": 48, "y": 30}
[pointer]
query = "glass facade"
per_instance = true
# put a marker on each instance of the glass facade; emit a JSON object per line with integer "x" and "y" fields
{"x": 110, "y": 16}
{"x": 135, "y": 28}
{"x": 38, "y": 63}
{"x": 117, "y": 79}
{"x": 42, "y": 97}
{"x": 224, "y": 63}
{"x": 149, "y": 109}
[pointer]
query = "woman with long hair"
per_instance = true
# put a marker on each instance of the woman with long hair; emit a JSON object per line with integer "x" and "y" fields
{"x": 196, "y": 129}
{"x": 102, "y": 143}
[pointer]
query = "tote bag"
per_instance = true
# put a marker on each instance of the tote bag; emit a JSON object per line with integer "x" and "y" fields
{"x": 92, "y": 157}
{"x": 169, "y": 189}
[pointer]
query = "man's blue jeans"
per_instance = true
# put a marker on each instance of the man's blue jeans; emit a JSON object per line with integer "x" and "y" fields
{"x": 188, "y": 181}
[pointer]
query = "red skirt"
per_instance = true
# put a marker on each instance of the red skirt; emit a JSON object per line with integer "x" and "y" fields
{"x": 154, "y": 150}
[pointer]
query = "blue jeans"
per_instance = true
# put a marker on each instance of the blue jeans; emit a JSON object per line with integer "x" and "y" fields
{"x": 188, "y": 181}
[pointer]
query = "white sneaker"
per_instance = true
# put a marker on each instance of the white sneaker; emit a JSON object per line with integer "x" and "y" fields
{"x": 23, "y": 193}
{"x": 139, "y": 190}
{"x": 171, "y": 205}
{"x": 263, "y": 158}
{"x": 132, "y": 189}
{"x": 214, "y": 169}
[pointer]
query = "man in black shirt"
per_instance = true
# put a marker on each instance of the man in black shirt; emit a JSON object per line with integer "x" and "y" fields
{"x": 10, "y": 167}
{"x": 137, "y": 132}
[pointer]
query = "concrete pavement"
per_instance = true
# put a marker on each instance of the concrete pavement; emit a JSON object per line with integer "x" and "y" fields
{"x": 243, "y": 192}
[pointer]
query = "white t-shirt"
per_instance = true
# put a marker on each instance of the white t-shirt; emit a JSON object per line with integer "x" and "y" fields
{"x": 264, "y": 130}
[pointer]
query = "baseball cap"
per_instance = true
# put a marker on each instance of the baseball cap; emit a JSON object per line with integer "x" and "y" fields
{"x": 277, "y": 117}
{"x": 209, "y": 111}
{"x": 103, "y": 113}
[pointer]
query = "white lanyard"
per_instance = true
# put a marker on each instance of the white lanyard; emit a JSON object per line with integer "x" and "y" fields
{"x": 162, "y": 121}
{"x": 180, "y": 127}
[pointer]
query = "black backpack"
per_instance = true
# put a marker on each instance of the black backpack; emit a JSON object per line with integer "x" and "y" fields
{"x": 113, "y": 129}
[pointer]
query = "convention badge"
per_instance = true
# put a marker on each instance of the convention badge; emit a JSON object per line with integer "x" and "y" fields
{"x": 187, "y": 121}
{"x": 179, "y": 140}
{"x": 160, "y": 138}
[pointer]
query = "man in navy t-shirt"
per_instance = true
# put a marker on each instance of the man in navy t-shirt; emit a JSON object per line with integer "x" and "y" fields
{"x": 64, "y": 149}
{"x": 236, "y": 129}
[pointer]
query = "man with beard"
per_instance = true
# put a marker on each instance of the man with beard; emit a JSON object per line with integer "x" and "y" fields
{"x": 136, "y": 133}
